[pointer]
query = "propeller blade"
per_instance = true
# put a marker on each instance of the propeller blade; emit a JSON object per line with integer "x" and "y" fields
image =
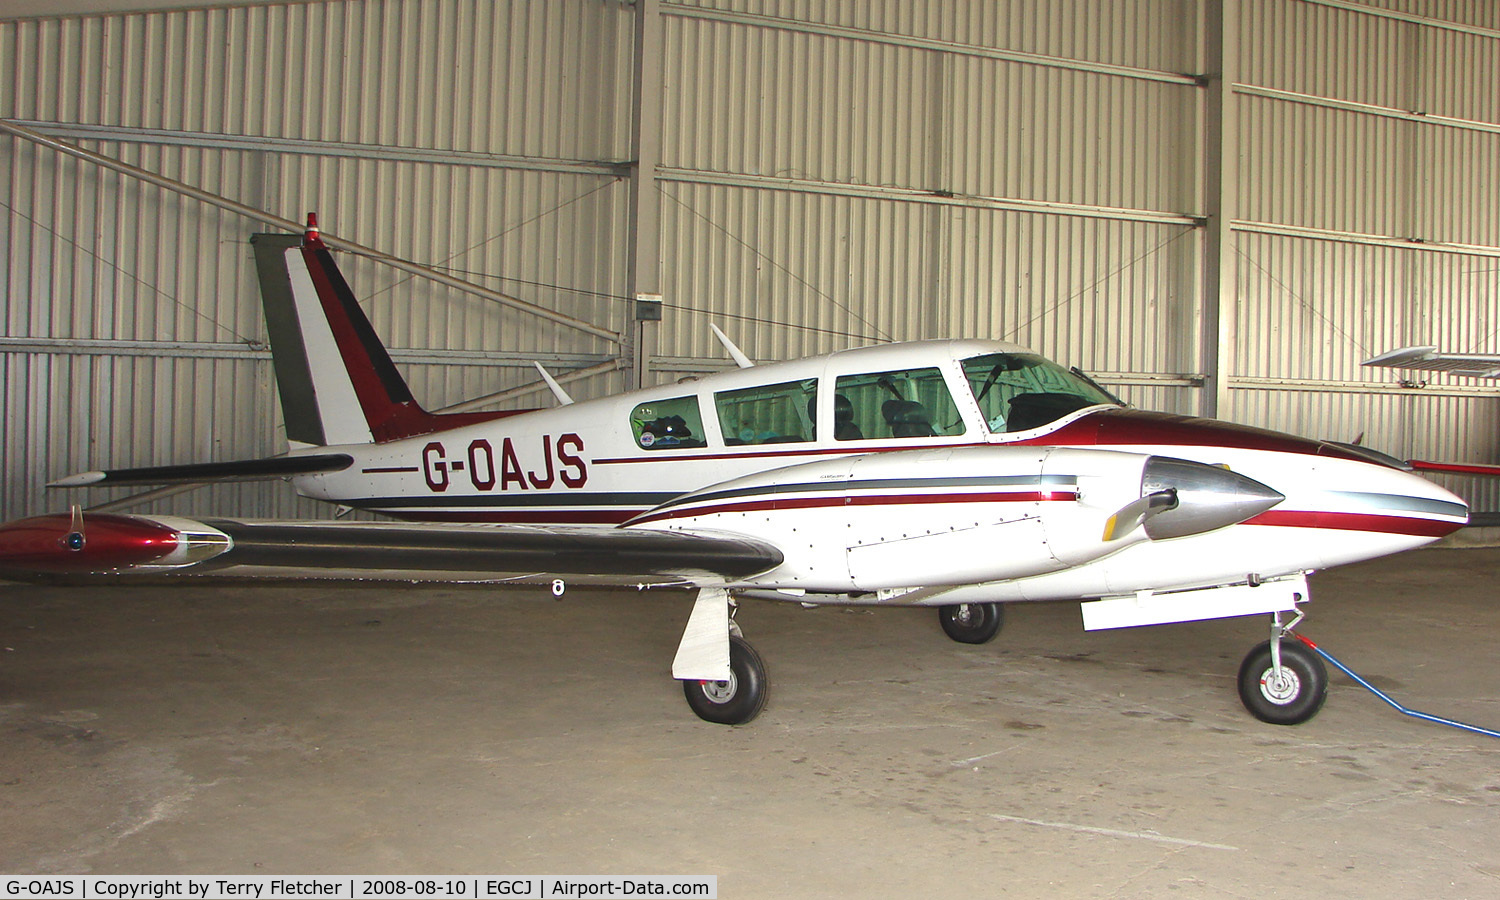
{"x": 1137, "y": 512}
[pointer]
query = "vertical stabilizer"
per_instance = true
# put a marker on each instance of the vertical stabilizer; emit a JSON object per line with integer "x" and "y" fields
{"x": 337, "y": 382}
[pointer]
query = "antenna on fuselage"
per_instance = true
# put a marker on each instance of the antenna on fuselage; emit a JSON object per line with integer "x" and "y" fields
{"x": 557, "y": 390}
{"x": 735, "y": 353}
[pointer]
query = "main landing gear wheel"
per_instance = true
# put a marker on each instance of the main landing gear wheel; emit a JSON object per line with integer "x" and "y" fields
{"x": 1289, "y": 697}
{"x": 738, "y": 700}
{"x": 972, "y": 623}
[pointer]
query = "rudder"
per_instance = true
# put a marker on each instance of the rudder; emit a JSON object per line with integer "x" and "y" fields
{"x": 338, "y": 384}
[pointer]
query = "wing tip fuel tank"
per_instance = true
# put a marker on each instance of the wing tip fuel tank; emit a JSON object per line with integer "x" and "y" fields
{"x": 104, "y": 542}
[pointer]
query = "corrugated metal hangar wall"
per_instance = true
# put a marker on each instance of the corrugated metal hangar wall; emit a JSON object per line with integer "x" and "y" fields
{"x": 1216, "y": 206}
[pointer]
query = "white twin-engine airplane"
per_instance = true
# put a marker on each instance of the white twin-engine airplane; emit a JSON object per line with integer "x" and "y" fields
{"x": 957, "y": 474}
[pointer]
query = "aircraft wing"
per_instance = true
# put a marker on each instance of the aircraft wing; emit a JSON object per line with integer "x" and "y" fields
{"x": 106, "y": 543}
{"x": 1478, "y": 365}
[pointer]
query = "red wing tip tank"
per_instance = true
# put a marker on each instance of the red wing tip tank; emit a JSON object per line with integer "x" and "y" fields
{"x": 105, "y": 542}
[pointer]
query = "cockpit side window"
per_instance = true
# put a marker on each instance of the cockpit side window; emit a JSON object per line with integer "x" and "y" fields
{"x": 768, "y": 414}
{"x": 907, "y": 403}
{"x": 1022, "y": 391}
{"x": 671, "y": 424}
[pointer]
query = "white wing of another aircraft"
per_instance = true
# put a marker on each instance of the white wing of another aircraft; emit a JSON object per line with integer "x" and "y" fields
{"x": 1428, "y": 359}
{"x": 1479, "y": 365}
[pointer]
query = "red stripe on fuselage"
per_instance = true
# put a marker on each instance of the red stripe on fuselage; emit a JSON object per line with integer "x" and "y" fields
{"x": 1340, "y": 521}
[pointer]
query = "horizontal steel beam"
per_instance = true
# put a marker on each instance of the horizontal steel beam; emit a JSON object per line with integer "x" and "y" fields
{"x": 1368, "y": 109}
{"x": 288, "y": 225}
{"x": 919, "y": 43}
{"x": 1373, "y": 240}
{"x": 536, "y": 387}
{"x": 226, "y": 350}
{"x": 295, "y": 146}
{"x": 1409, "y": 18}
{"x": 913, "y": 195}
{"x": 1405, "y": 387}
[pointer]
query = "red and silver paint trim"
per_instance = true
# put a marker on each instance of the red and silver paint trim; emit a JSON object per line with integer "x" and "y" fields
{"x": 869, "y": 492}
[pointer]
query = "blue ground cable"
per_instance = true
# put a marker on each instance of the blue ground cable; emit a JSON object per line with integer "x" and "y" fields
{"x": 1393, "y": 704}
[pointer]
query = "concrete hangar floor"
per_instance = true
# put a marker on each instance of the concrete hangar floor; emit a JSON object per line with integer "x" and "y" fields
{"x": 305, "y": 730}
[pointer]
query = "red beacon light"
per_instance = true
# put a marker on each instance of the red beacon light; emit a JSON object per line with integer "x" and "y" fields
{"x": 311, "y": 237}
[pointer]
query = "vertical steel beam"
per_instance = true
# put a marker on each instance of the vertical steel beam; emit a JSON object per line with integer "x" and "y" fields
{"x": 940, "y": 179}
{"x": 1220, "y": 154}
{"x": 644, "y": 225}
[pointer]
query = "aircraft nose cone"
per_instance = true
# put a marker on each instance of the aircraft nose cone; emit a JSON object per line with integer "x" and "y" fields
{"x": 1208, "y": 497}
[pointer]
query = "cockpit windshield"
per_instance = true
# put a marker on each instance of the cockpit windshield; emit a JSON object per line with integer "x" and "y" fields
{"x": 1022, "y": 391}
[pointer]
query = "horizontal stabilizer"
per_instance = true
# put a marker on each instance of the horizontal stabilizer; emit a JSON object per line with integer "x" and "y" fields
{"x": 204, "y": 473}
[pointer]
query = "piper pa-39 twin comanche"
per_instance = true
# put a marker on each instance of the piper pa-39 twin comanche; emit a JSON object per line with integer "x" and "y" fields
{"x": 956, "y": 474}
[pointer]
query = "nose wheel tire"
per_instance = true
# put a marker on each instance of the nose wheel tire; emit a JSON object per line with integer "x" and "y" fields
{"x": 738, "y": 700}
{"x": 1289, "y": 697}
{"x": 972, "y": 623}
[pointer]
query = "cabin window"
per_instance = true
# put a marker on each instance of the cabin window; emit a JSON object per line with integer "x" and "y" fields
{"x": 1022, "y": 391}
{"x": 670, "y": 424}
{"x": 768, "y": 414}
{"x": 901, "y": 404}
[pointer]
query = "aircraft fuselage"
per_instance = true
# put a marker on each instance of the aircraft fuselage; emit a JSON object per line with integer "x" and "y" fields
{"x": 922, "y": 467}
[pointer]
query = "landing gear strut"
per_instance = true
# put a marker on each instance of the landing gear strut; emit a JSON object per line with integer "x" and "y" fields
{"x": 722, "y": 676}
{"x": 1283, "y": 683}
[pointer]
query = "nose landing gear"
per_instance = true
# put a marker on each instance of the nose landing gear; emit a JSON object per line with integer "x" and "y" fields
{"x": 1283, "y": 683}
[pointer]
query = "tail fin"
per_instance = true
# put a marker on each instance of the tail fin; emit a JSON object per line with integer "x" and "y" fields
{"x": 337, "y": 382}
